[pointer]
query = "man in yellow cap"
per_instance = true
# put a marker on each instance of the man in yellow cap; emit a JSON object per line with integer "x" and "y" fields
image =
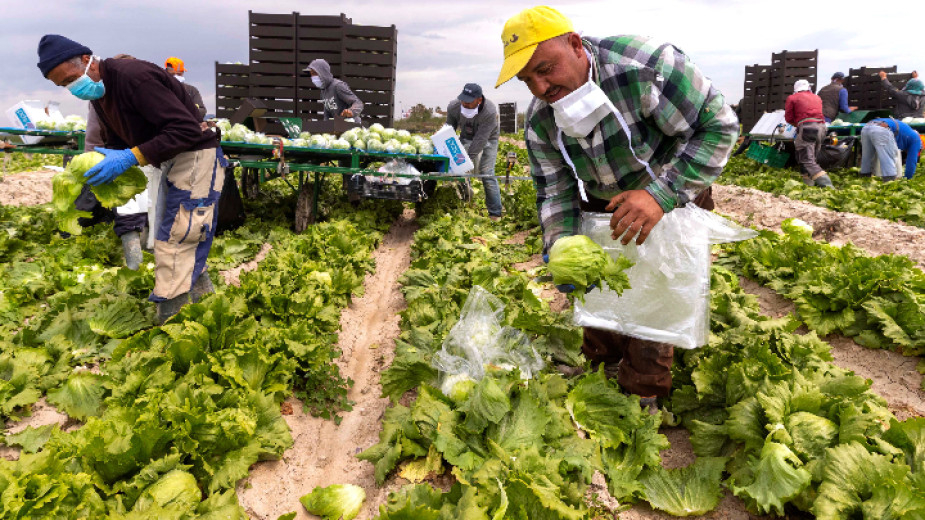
{"x": 622, "y": 125}
{"x": 175, "y": 67}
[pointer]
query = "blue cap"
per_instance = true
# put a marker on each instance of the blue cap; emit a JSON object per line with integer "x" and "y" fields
{"x": 55, "y": 50}
{"x": 470, "y": 93}
{"x": 838, "y": 75}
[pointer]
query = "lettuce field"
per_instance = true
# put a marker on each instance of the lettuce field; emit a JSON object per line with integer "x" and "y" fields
{"x": 318, "y": 371}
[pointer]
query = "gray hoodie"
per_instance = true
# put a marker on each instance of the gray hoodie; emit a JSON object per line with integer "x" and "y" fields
{"x": 335, "y": 94}
{"x": 475, "y": 133}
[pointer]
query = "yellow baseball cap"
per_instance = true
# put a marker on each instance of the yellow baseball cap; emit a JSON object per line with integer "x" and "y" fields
{"x": 523, "y": 32}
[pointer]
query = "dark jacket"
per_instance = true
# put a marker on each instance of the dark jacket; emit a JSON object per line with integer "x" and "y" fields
{"x": 145, "y": 107}
{"x": 907, "y": 105}
{"x": 335, "y": 94}
{"x": 197, "y": 99}
{"x": 803, "y": 107}
{"x": 830, "y": 102}
{"x": 475, "y": 133}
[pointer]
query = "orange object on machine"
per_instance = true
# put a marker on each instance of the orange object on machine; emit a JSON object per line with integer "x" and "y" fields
{"x": 175, "y": 63}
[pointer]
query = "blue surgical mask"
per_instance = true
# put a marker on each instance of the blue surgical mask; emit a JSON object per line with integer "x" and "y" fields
{"x": 85, "y": 88}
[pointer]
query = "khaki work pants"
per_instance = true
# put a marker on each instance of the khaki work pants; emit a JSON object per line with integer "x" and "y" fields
{"x": 191, "y": 186}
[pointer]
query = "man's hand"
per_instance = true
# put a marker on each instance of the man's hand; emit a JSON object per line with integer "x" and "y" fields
{"x": 346, "y": 113}
{"x": 635, "y": 212}
{"x": 114, "y": 165}
{"x": 882, "y": 75}
{"x": 852, "y": 108}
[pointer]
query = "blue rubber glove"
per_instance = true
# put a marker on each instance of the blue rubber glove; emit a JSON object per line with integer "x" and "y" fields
{"x": 565, "y": 288}
{"x": 114, "y": 165}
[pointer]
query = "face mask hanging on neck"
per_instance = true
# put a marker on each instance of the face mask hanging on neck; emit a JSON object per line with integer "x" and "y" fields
{"x": 85, "y": 88}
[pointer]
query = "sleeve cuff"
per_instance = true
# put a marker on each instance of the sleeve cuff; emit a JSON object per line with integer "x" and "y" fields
{"x": 665, "y": 196}
{"x": 139, "y": 157}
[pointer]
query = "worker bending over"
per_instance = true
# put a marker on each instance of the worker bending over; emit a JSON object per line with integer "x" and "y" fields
{"x": 803, "y": 110}
{"x": 624, "y": 125}
{"x": 147, "y": 117}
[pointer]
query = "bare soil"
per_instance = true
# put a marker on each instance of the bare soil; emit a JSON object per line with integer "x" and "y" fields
{"x": 233, "y": 276}
{"x": 42, "y": 415}
{"x": 893, "y": 375}
{"x": 26, "y": 188}
{"x": 324, "y": 453}
{"x": 763, "y": 210}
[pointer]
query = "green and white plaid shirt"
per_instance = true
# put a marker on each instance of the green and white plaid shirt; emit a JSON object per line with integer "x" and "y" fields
{"x": 680, "y": 125}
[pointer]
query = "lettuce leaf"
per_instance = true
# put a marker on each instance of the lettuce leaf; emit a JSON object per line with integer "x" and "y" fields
{"x": 689, "y": 491}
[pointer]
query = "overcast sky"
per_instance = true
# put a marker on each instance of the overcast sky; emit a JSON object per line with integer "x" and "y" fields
{"x": 443, "y": 45}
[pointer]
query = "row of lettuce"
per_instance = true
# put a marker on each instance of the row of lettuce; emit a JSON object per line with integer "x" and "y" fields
{"x": 194, "y": 403}
{"x": 900, "y": 201}
{"x": 877, "y": 301}
{"x": 771, "y": 418}
{"x": 174, "y": 415}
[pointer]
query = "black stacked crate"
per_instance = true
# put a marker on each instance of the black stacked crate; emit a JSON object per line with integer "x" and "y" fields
{"x": 232, "y": 84}
{"x": 768, "y": 86}
{"x": 273, "y": 73}
{"x": 508, "y": 114}
{"x": 866, "y": 90}
{"x": 786, "y": 68}
{"x": 369, "y": 60}
{"x": 282, "y": 45}
{"x": 757, "y": 91}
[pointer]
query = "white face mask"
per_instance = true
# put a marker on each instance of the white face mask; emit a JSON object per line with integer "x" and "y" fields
{"x": 181, "y": 79}
{"x": 316, "y": 80}
{"x": 579, "y": 112}
{"x": 469, "y": 112}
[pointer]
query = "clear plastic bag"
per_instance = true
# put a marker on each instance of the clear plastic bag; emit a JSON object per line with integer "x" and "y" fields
{"x": 669, "y": 298}
{"x": 396, "y": 166}
{"x": 480, "y": 341}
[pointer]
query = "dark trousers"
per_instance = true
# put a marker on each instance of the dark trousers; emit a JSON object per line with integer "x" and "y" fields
{"x": 643, "y": 366}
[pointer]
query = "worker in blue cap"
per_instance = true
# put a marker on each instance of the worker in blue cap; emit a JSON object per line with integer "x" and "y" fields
{"x": 476, "y": 119}
{"x": 147, "y": 117}
{"x": 910, "y": 101}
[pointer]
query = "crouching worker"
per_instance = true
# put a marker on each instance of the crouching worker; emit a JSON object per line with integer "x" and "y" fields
{"x": 147, "y": 117}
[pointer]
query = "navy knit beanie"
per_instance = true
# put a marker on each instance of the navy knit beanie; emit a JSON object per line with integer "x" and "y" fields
{"x": 55, "y": 50}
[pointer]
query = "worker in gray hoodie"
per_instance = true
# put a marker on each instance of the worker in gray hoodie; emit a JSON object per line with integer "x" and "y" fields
{"x": 336, "y": 96}
{"x": 476, "y": 119}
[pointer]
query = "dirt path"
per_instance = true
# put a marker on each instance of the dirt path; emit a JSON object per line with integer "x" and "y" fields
{"x": 763, "y": 210}
{"x": 233, "y": 276}
{"x": 324, "y": 452}
{"x": 894, "y": 376}
{"x": 26, "y": 188}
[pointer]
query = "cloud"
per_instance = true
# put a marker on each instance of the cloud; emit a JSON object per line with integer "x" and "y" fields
{"x": 442, "y": 46}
